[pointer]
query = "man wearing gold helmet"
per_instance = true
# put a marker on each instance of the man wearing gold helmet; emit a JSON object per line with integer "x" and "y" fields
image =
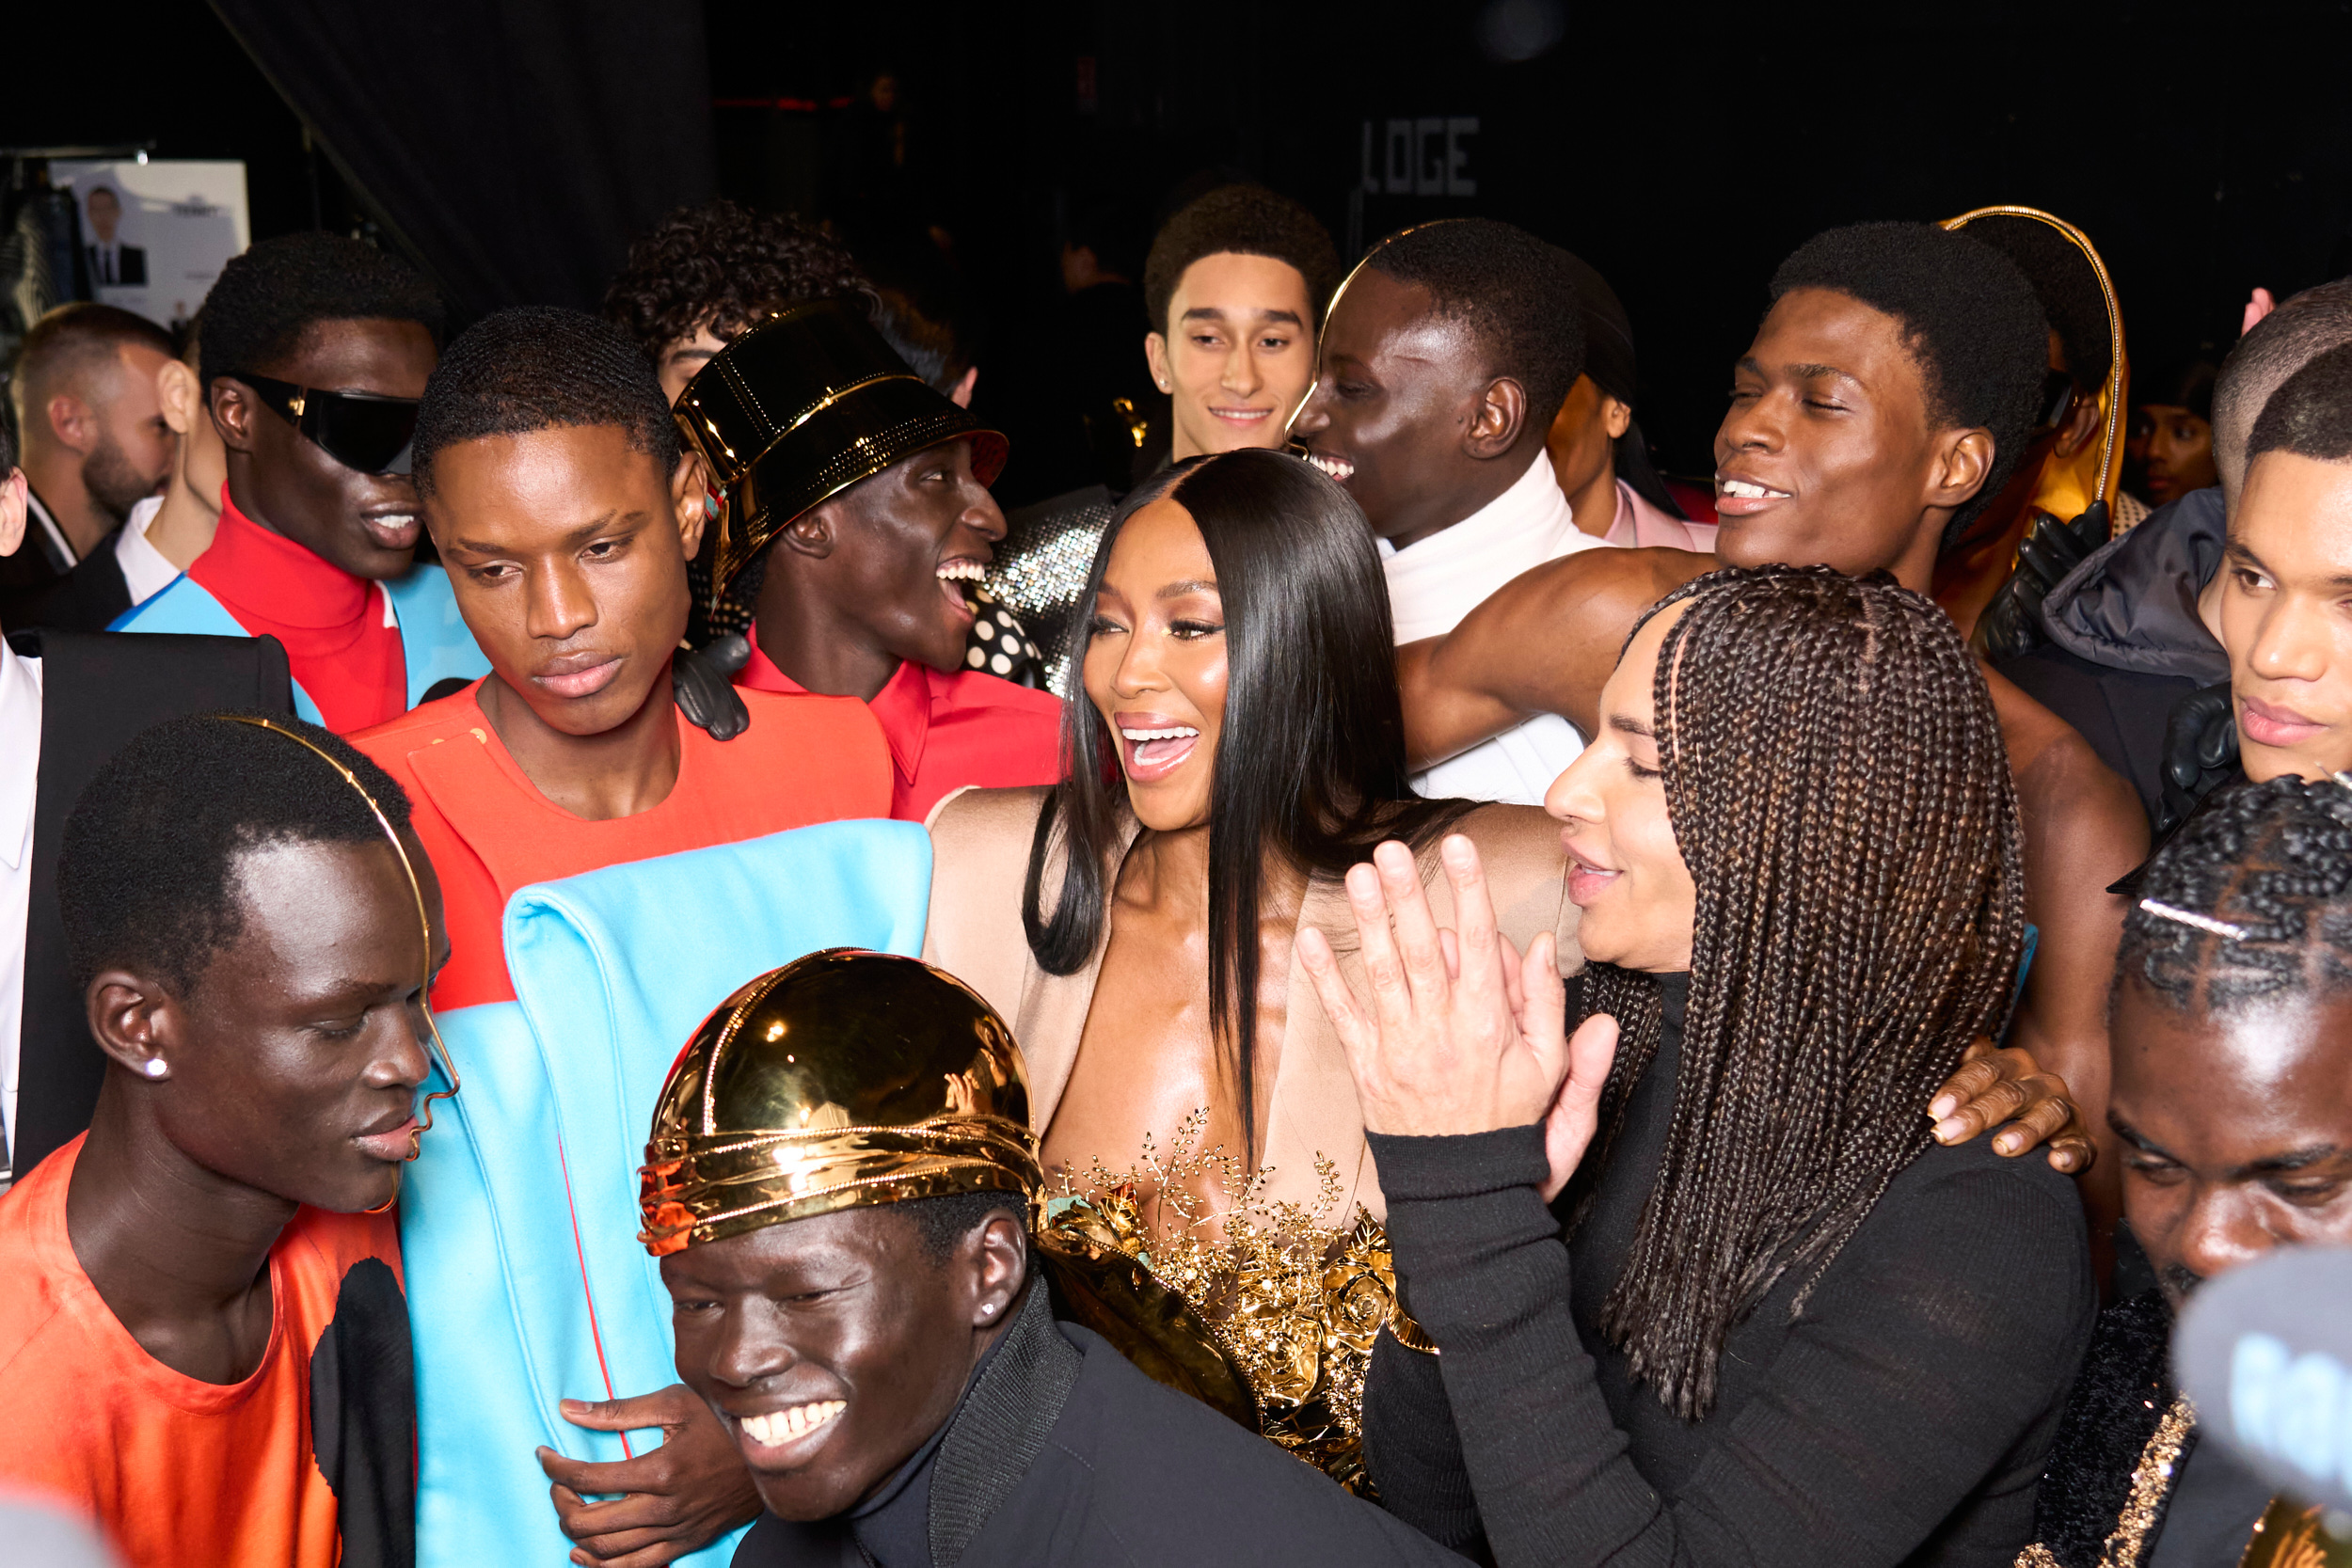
{"x": 855, "y": 515}
{"x": 840, "y": 1184}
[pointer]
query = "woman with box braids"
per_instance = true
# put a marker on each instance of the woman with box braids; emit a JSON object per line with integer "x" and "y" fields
{"x": 1702, "y": 1286}
{"x": 1846, "y": 811}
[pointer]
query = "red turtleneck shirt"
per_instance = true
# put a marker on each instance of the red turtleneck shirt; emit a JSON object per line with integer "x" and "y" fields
{"x": 341, "y": 641}
{"x": 947, "y": 731}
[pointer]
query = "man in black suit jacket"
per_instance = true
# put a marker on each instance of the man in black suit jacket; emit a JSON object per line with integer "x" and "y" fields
{"x": 84, "y": 695}
{"x": 111, "y": 262}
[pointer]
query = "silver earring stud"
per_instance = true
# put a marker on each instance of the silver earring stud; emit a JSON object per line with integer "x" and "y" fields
{"x": 153, "y": 1066}
{"x": 988, "y": 1310}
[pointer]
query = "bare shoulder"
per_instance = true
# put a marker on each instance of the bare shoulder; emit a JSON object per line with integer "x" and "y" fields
{"x": 1612, "y": 584}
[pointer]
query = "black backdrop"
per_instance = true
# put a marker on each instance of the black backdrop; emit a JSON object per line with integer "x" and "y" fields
{"x": 1682, "y": 146}
{"x": 512, "y": 145}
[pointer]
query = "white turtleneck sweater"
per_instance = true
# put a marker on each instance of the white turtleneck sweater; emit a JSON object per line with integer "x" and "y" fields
{"x": 1436, "y": 582}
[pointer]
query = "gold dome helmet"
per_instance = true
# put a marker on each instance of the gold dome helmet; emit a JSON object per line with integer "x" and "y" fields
{"x": 803, "y": 406}
{"x": 850, "y": 1078}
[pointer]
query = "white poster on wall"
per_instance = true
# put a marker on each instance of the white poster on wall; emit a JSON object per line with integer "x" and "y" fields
{"x": 155, "y": 234}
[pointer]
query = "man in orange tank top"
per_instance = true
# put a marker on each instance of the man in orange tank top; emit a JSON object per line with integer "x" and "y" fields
{"x": 550, "y": 475}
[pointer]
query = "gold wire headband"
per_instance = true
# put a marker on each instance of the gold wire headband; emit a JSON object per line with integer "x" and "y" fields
{"x": 424, "y": 924}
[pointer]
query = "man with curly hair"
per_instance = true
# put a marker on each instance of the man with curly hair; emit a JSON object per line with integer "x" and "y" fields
{"x": 314, "y": 352}
{"x": 699, "y": 278}
{"x": 703, "y": 274}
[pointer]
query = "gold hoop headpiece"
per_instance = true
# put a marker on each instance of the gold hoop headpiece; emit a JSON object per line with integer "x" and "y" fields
{"x": 425, "y": 919}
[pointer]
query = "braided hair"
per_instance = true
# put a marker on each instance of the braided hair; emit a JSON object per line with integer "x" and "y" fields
{"x": 1836, "y": 779}
{"x": 2272, "y": 861}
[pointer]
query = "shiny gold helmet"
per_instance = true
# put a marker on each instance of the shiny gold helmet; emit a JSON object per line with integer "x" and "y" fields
{"x": 842, "y": 1078}
{"x": 803, "y": 406}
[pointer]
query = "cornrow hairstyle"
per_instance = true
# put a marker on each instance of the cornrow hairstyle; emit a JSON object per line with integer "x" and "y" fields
{"x": 726, "y": 267}
{"x": 1240, "y": 220}
{"x": 1836, "y": 779}
{"x": 537, "y": 367}
{"x": 1310, "y": 769}
{"x": 1514, "y": 293}
{"x": 2275, "y": 861}
{"x": 147, "y": 876}
{"x": 1969, "y": 316}
{"x": 265, "y": 299}
{"x": 2310, "y": 413}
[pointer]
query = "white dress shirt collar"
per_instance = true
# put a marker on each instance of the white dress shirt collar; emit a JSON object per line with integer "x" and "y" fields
{"x": 1436, "y": 581}
{"x": 144, "y": 571}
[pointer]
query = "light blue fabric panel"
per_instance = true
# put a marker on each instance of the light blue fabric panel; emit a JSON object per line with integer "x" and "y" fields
{"x": 614, "y": 968}
{"x": 482, "y": 1260}
{"x": 185, "y": 608}
{"x": 433, "y": 636}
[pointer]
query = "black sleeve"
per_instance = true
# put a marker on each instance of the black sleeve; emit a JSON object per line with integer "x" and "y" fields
{"x": 1927, "y": 1355}
{"x": 1411, "y": 1449}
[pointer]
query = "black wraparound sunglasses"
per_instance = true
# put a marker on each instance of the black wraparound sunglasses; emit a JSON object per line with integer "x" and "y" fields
{"x": 360, "y": 429}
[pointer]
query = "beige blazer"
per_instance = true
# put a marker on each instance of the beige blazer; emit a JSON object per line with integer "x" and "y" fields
{"x": 981, "y": 856}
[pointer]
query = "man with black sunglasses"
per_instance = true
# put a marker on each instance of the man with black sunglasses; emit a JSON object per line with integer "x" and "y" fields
{"x": 315, "y": 350}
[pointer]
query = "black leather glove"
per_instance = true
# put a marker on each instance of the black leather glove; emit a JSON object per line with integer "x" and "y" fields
{"x": 2199, "y": 752}
{"x": 2012, "y": 623}
{"x": 704, "y": 694}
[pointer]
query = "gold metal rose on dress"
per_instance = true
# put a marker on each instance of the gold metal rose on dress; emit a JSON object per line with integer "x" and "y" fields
{"x": 1293, "y": 1302}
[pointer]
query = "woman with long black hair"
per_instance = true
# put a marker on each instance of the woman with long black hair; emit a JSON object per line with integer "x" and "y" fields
{"x": 1237, "y": 745}
{"x": 1700, "y": 1286}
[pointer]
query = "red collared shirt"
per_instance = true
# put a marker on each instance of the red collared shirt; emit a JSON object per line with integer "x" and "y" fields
{"x": 947, "y": 731}
{"x": 343, "y": 643}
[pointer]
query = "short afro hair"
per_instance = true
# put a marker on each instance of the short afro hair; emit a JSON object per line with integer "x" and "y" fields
{"x": 2067, "y": 285}
{"x": 726, "y": 267}
{"x": 146, "y": 874}
{"x": 1241, "y": 220}
{"x": 1515, "y": 293}
{"x": 2310, "y": 413}
{"x": 2272, "y": 859}
{"x": 942, "y": 1223}
{"x": 538, "y": 367}
{"x": 265, "y": 299}
{"x": 1968, "y": 314}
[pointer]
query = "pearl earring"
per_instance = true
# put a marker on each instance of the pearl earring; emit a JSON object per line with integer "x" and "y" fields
{"x": 153, "y": 1066}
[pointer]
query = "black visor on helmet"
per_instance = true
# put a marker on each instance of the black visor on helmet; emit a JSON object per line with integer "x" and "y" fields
{"x": 364, "y": 431}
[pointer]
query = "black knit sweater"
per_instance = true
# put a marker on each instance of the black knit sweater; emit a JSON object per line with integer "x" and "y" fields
{"x": 1903, "y": 1418}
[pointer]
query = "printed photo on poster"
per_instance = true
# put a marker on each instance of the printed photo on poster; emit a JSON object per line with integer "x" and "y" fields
{"x": 155, "y": 234}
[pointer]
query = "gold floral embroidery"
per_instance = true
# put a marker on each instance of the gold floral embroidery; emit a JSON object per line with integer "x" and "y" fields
{"x": 1295, "y": 1303}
